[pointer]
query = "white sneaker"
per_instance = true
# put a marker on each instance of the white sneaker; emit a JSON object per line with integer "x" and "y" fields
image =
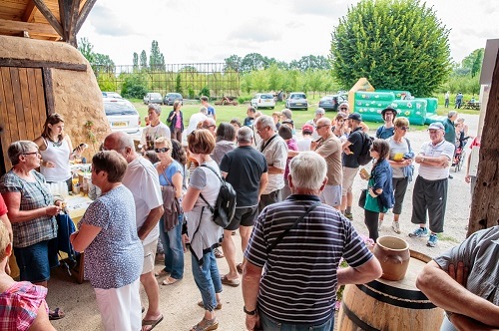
{"x": 396, "y": 227}
{"x": 380, "y": 222}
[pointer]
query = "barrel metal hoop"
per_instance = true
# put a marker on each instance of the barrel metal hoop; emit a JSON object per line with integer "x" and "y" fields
{"x": 356, "y": 320}
{"x": 396, "y": 297}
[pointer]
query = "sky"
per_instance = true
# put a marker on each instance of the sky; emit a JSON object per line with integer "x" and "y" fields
{"x": 200, "y": 31}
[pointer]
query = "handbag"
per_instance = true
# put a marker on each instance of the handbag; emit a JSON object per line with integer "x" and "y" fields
{"x": 362, "y": 198}
{"x": 171, "y": 205}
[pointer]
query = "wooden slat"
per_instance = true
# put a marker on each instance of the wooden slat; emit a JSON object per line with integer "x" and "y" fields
{"x": 9, "y": 104}
{"x": 40, "y": 94}
{"x": 33, "y": 97}
{"x": 18, "y": 104}
{"x": 29, "y": 12}
{"x": 37, "y": 28}
{"x": 49, "y": 90}
{"x": 42, "y": 7}
{"x": 87, "y": 7}
{"x": 4, "y": 120}
{"x": 26, "y": 103}
{"x": 20, "y": 63}
{"x": 64, "y": 16}
{"x": 71, "y": 31}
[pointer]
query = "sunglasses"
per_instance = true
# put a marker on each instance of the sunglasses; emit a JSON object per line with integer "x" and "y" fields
{"x": 321, "y": 126}
{"x": 404, "y": 128}
{"x": 31, "y": 153}
{"x": 161, "y": 150}
{"x": 343, "y": 108}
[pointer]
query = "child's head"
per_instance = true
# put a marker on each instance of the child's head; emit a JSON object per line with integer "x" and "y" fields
{"x": 4, "y": 241}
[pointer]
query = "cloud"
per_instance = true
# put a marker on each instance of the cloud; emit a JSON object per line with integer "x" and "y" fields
{"x": 255, "y": 31}
{"x": 106, "y": 23}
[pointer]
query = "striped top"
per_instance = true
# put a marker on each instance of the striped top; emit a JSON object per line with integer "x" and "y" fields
{"x": 299, "y": 282}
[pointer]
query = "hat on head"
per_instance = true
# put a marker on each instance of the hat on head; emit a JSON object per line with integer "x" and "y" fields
{"x": 307, "y": 128}
{"x": 355, "y": 117}
{"x": 320, "y": 111}
{"x": 436, "y": 126}
{"x": 387, "y": 109}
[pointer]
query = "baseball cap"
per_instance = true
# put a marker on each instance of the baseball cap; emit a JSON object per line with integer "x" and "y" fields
{"x": 320, "y": 111}
{"x": 436, "y": 126}
{"x": 307, "y": 128}
{"x": 355, "y": 117}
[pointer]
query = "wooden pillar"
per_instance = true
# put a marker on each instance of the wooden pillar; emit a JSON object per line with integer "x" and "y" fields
{"x": 485, "y": 200}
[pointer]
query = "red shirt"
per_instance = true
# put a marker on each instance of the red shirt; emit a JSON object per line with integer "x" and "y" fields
{"x": 3, "y": 207}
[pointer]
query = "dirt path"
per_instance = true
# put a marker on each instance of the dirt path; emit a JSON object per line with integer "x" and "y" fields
{"x": 178, "y": 301}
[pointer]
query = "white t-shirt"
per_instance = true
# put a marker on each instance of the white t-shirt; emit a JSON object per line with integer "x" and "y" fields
{"x": 193, "y": 122}
{"x": 276, "y": 154}
{"x": 151, "y": 133}
{"x": 304, "y": 144}
{"x": 442, "y": 148}
{"x": 142, "y": 179}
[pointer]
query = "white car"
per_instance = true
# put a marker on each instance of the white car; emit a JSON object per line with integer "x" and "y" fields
{"x": 263, "y": 100}
{"x": 153, "y": 98}
{"x": 122, "y": 115}
{"x": 297, "y": 100}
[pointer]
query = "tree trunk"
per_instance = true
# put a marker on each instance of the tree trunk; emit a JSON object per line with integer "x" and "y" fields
{"x": 485, "y": 200}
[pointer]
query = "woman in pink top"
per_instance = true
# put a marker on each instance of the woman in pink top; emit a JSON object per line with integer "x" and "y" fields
{"x": 176, "y": 121}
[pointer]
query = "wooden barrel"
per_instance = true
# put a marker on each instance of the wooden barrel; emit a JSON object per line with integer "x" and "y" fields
{"x": 390, "y": 305}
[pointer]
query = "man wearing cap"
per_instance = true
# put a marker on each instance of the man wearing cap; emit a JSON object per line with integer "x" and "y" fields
{"x": 319, "y": 113}
{"x": 306, "y": 133}
{"x": 388, "y": 129}
{"x": 430, "y": 189}
{"x": 329, "y": 147}
{"x": 351, "y": 150}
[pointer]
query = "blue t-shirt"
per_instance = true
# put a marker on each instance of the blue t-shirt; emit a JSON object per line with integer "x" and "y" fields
{"x": 385, "y": 133}
{"x": 211, "y": 111}
{"x": 170, "y": 172}
{"x": 115, "y": 257}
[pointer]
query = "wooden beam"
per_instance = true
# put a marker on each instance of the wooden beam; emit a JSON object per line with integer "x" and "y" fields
{"x": 15, "y": 27}
{"x": 29, "y": 13}
{"x": 49, "y": 16}
{"x": 64, "y": 15}
{"x": 87, "y": 7}
{"x": 49, "y": 90}
{"x": 20, "y": 63}
{"x": 75, "y": 7}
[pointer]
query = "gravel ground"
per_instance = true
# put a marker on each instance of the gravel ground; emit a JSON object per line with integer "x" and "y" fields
{"x": 178, "y": 301}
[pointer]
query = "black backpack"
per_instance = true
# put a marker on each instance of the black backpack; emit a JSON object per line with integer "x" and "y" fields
{"x": 225, "y": 206}
{"x": 365, "y": 154}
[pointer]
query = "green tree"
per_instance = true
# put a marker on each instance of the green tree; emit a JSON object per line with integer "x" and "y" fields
{"x": 135, "y": 61}
{"x": 253, "y": 61}
{"x": 143, "y": 60}
{"x": 156, "y": 58}
{"x": 134, "y": 86}
{"x": 103, "y": 60}
{"x": 311, "y": 62}
{"x": 395, "y": 44}
{"x": 233, "y": 62}
{"x": 86, "y": 49}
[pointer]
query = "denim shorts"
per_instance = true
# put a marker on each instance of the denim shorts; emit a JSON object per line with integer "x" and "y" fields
{"x": 35, "y": 261}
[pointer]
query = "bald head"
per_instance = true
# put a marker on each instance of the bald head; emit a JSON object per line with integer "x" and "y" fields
{"x": 121, "y": 143}
{"x": 323, "y": 127}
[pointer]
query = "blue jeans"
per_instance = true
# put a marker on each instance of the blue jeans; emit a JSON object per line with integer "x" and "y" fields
{"x": 174, "y": 251}
{"x": 207, "y": 279}
{"x": 269, "y": 324}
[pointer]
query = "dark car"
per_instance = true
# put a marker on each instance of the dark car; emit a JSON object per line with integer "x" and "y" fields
{"x": 170, "y": 98}
{"x": 331, "y": 102}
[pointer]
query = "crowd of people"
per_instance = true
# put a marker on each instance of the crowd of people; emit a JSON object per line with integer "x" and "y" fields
{"x": 294, "y": 205}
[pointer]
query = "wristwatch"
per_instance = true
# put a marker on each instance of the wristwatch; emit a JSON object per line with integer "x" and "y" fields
{"x": 252, "y": 312}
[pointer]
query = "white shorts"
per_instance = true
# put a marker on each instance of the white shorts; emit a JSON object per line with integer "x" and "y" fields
{"x": 149, "y": 256}
{"x": 348, "y": 178}
{"x": 331, "y": 195}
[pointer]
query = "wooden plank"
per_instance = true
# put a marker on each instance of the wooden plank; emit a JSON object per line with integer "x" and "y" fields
{"x": 49, "y": 90}
{"x": 9, "y": 103}
{"x": 87, "y": 7}
{"x": 20, "y": 63}
{"x": 64, "y": 16}
{"x": 26, "y": 103}
{"x": 35, "y": 109}
{"x": 5, "y": 138}
{"x": 40, "y": 93}
{"x": 18, "y": 104}
{"x": 71, "y": 31}
{"x": 49, "y": 16}
{"x": 32, "y": 28}
{"x": 29, "y": 12}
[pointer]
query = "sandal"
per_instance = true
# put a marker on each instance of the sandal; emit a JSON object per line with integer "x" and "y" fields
{"x": 230, "y": 282}
{"x": 239, "y": 268}
{"x": 169, "y": 281}
{"x": 151, "y": 323}
{"x": 56, "y": 314}
{"x": 206, "y": 325}
{"x": 161, "y": 273}
{"x": 217, "y": 307}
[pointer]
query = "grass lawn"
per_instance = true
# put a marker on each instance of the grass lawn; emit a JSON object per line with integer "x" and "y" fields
{"x": 227, "y": 113}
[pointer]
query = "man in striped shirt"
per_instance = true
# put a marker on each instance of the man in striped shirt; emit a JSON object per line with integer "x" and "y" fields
{"x": 298, "y": 287}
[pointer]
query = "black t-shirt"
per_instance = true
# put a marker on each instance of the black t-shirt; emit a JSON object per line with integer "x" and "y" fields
{"x": 355, "y": 138}
{"x": 244, "y": 167}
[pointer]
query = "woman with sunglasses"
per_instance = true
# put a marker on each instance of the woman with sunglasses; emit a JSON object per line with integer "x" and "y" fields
{"x": 379, "y": 196}
{"x": 32, "y": 211}
{"x": 401, "y": 158}
{"x": 171, "y": 175}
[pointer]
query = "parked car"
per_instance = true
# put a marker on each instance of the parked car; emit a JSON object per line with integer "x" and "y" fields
{"x": 111, "y": 95}
{"x": 331, "y": 102}
{"x": 153, "y": 98}
{"x": 122, "y": 115}
{"x": 297, "y": 100}
{"x": 170, "y": 98}
{"x": 263, "y": 100}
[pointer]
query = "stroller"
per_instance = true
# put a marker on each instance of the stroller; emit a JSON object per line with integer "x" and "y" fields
{"x": 460, "y": 153}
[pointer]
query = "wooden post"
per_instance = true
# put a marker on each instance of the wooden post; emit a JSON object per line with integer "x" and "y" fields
{"x": 485, "y": 200}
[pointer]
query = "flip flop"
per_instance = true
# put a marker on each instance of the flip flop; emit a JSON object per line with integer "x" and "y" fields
{"x": 169, "y": 281}
{"x": 239, "y": 268}
{"x": 151, "y": 323}
{"x": 230, "y": 282}
{"x": 56, "y": 314}
{"x": 161, "y": 273}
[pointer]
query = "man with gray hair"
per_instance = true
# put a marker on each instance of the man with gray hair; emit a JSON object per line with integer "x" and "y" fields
{"x": 246, "y": 169}
{"x": 155, "y": 130}
{"x": 141, "y": 178}
{"x": 276, "y": 153}
{"x": 301, "y": 231}
{"x": 196, "y": 119}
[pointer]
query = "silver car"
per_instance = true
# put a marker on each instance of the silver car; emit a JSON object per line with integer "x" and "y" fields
{"x": 153, "y": 98}
{"x": 263, "y": 100}
{"x": 297, "y": 100}
{"x": 122, "y": 115}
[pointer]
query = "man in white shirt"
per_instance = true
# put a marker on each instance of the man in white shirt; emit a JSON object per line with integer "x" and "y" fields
{"x": 196, "y": 119}
{"x": 155, "y": 130}
{"x": 430, "y": 189}
{"x": 142, "y": 179}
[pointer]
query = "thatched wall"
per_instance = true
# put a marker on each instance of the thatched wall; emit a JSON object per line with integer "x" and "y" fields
{"x": 77, "y": 96}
